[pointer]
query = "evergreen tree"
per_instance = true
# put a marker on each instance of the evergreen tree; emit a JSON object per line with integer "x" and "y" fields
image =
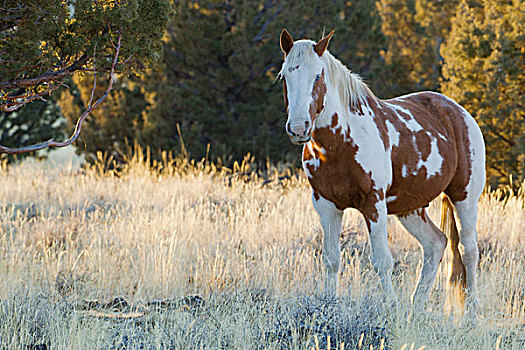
{"x": 484, "y": 71}
{"x": 44, "y": 43}
{"x": 415, "y": 31}
{"x": 217, "y": 78}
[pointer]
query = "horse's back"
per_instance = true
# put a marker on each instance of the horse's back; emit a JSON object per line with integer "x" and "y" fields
{"x": 439, "y": 147}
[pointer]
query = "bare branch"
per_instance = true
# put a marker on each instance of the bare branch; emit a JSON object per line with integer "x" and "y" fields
{"x": 78, "y": 126}
{"x": 94, "y": 80}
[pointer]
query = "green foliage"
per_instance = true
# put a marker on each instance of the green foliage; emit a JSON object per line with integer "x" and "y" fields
{"x": 217, "y": 78}
{"x": 484, "y": 71}
{"x": 43, "y": 43}
{"x": 51, "y": 34}
{"x": 415, "y": 30}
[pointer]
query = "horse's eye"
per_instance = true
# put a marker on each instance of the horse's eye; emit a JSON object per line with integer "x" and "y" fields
{"x": 317, "y": 78}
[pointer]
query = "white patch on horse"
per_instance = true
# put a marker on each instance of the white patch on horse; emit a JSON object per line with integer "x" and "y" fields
{"x": 413, "y": 125}
{"x": 393, "y": 134}
{"x": 390, "y": 199}
{"x": 364, "y": 133}
{"x": 371, "y": 154}
{"x": 316, "y": 162}
{"x": 404, "y": 171}
{"x": 410, "y": 122}
{"x": 416, "y": 148}
{"x": 434, "y": 161}
{"x": 477, "y": 144}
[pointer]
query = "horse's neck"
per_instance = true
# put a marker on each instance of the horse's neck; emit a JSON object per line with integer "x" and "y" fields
{"x": 347, "y": 114}
{"x": 351, "y": 122}
{"x": 333, "y": 105}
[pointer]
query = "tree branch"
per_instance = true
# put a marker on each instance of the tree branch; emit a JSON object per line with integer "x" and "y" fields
{"x": 15, "y": 102}
{"x": 46, "y": 77}
{"x": 12, "y": 103}
{"x": 78, "y": 126}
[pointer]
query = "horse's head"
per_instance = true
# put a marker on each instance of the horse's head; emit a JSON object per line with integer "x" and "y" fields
{"x": 304, "y": 84}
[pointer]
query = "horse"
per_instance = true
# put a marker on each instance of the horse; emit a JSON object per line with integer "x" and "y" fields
{"x": 385, "y": 157}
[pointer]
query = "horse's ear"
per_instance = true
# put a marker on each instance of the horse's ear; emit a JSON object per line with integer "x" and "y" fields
{"x": 286, "y": 42}
{"x": 321, "y": 46}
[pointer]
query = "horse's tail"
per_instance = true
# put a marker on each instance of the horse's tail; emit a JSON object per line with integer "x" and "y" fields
{"x": 457, "y": 273}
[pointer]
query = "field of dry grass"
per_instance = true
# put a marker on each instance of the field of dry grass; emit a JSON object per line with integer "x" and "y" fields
{"x": 183, "y": 257}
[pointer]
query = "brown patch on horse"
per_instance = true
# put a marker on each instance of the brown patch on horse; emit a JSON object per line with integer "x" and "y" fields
{"x": 441, "y": 121}
{"x": 335, "y": 120}
{"x": 339, "y": 177}
{"x": 424, "y": 144}
{"x": 318, "y": 94}
{"x": 449, "y": 116}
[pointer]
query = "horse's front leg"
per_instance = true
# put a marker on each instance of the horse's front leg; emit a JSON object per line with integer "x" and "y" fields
{"x": 331, "y": 218}
{"x": 380, "y": 256}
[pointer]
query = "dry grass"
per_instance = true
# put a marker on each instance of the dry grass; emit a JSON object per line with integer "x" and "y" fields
{"x": 238, "y": 262}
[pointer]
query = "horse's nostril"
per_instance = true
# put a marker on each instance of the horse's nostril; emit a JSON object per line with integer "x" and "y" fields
{"x": 306, "y": 125}
{"x": 289, "y": 130}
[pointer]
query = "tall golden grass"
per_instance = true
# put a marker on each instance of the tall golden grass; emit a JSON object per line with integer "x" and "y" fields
{"x": 245, "y": 245}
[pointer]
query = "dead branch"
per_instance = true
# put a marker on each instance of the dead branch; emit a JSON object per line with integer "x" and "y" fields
{"x": 78, "y": 126}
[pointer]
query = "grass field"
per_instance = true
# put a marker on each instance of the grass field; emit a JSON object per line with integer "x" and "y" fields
{"x": 190, "y": 256}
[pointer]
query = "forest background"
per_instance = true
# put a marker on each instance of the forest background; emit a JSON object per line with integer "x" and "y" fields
{"x": 208, "y": 70}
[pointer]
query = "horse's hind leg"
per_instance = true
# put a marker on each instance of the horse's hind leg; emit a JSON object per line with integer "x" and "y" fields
{"x": 467, "y": 214}
{"x": 433, "y": 242}
{"x": 464, "y": 192}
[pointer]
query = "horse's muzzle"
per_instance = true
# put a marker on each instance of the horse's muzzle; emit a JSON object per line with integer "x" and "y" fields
{"x": 299, "y": 140}
{"x": 299, "y": 134}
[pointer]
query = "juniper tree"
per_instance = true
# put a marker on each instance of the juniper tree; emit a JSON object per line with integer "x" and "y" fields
{"x": 42, "y": 44}
{"x": 484, "y": 71}
{"x": 415, "y": 31}
{"x": 217, "y": 77}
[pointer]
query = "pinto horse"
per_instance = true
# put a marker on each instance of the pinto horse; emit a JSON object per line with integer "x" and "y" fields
{"x": 384, "y": 157}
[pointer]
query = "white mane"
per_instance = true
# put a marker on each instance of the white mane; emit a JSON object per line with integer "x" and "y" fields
{"x": 352, "y": 90}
